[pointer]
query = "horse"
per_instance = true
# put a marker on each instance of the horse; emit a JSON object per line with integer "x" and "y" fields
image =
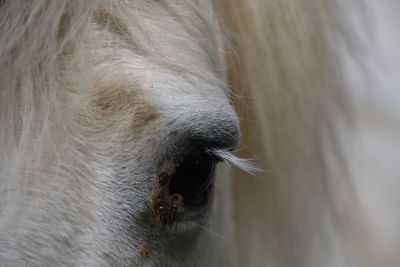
{"x": 120, "y": 141}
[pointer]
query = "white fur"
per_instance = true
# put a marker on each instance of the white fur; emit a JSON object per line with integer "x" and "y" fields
{"x": 78, "y": 152}
{"x": 92, "y": 92}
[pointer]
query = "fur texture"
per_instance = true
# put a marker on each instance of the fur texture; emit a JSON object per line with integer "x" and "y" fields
{"x": 96, "y": 95}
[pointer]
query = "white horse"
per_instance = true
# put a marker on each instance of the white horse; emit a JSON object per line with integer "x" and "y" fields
{"x": 116, "y": 120}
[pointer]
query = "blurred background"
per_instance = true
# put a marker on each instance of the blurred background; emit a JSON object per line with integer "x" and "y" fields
{"x": 317, "y": 86}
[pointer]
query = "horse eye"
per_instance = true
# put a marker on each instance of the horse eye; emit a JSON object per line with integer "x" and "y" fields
{"x": 193, "y": 179}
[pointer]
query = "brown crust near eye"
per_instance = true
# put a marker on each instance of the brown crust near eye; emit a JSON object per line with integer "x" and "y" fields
{"x": 167, "y": 167}
{"x": 144, "y": 252}
{"x": 165, "y": 206}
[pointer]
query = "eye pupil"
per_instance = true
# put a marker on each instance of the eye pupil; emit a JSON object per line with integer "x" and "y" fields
{"x": 193, "y": 179}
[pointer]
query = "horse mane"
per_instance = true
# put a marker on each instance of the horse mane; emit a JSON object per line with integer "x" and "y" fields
{"x": 294, "y": 99}
{"x": 31, "y": 90}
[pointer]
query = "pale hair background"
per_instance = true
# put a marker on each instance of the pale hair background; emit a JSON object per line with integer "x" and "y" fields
{"x": 320, "y": 106}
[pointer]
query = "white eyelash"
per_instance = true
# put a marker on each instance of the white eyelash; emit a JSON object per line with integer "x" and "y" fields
{"x": 229, "y": 158}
